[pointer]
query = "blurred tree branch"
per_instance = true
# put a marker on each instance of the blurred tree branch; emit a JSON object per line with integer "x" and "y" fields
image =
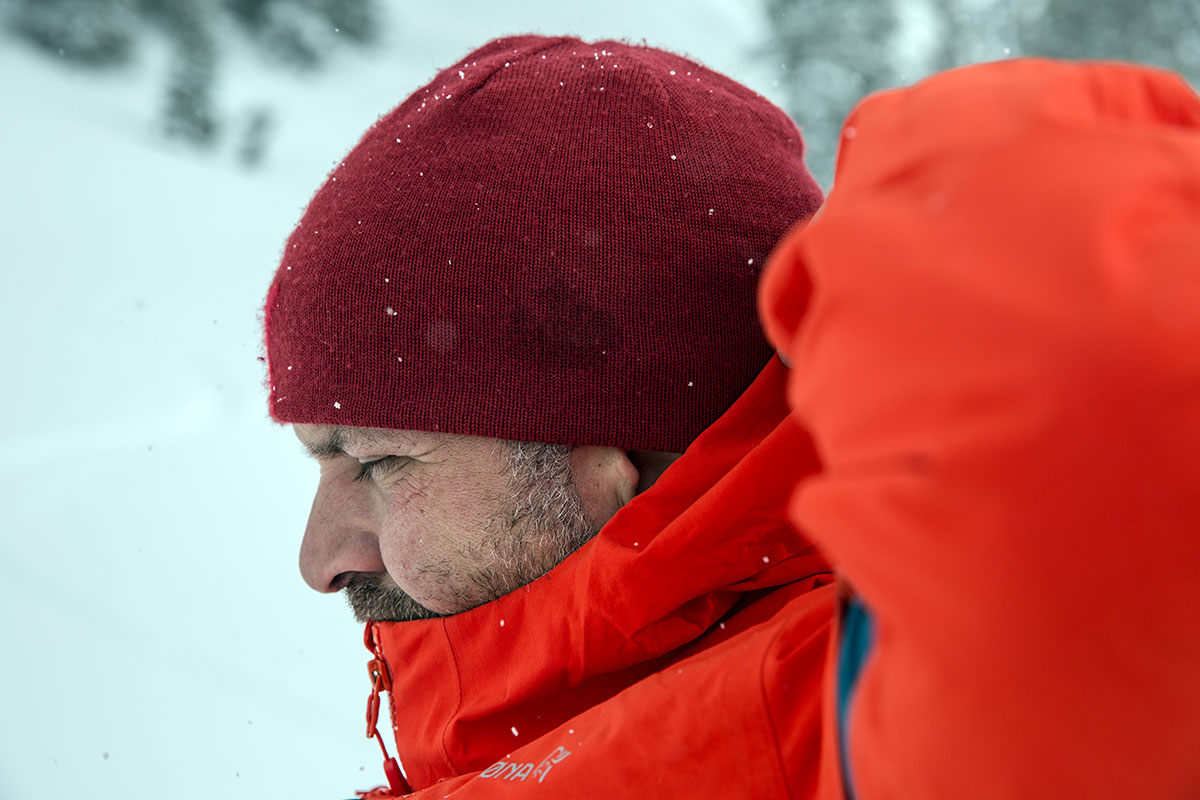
{"x": 832, "y": 54}
{"x": 99, "y": 34}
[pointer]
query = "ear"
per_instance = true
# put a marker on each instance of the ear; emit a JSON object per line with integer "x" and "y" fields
{"x": 605, "y": 478}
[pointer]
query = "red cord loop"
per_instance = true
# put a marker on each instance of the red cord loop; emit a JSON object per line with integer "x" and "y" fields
{"x": 381, "y": 681}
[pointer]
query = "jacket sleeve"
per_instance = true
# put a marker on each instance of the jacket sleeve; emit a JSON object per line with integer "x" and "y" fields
{"x": 1000, "y": 365}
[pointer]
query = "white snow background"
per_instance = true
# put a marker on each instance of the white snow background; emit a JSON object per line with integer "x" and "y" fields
{"x": 156, "y": 637}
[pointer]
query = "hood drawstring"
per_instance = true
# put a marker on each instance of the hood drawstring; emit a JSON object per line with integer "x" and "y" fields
{"x": 381, "y": 681}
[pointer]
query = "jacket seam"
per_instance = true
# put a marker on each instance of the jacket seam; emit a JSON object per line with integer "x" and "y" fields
{"x": 458, "y": 706}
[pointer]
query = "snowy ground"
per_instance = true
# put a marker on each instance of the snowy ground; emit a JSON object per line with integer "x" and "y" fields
{"x": 157, "y": 638}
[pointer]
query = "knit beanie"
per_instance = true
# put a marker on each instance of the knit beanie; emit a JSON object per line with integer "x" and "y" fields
{"x": 553, "y": 241}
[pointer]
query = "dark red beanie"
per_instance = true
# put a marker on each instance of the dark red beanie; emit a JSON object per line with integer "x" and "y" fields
{"x": 553, "y": 241}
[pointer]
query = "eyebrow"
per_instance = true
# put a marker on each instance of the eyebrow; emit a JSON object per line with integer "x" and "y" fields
{"x": 329, "y": 445}
{"x": 335, "y": 442}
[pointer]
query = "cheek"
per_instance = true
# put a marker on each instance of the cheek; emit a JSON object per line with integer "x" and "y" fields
{"x": 410, "y": 494}
{"x": 430, "y": 527}
{"x": 407, "y": 539}
{"x": 438, "y": 524}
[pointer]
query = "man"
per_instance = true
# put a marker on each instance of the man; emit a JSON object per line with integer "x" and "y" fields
{"x": 523, "y": 294}
{"x": 531, "y": 287}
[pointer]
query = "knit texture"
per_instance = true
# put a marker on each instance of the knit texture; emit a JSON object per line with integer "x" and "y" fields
{"x": 553, "y": 241}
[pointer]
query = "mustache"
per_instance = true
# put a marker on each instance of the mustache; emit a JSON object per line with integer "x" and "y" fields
{"x": 376, "y": 598}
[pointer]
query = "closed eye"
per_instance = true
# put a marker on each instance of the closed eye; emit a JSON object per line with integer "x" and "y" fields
{"x": 380, "y": 467}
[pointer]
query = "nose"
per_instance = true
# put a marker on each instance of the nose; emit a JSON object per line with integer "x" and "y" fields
{"x": 340, "y": 539}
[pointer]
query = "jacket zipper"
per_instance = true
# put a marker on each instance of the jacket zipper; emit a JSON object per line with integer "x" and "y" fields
{"x": 381, "y": 681}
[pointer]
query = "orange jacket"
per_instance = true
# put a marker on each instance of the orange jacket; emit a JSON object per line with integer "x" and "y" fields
{"x": 999, "y": 365}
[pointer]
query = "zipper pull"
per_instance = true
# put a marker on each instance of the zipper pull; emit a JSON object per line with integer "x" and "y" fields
{"x": 381, "y": 681}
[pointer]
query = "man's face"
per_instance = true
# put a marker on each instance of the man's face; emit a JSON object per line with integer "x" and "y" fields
{"x": 415, "y": 524}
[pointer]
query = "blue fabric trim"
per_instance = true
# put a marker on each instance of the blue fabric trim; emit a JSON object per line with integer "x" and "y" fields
{"x": 857, "y": 640}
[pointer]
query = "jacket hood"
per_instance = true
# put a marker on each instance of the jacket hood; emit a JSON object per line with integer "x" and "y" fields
{"x": 711, "y": 533}
{"x": 1000, "y": 370}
